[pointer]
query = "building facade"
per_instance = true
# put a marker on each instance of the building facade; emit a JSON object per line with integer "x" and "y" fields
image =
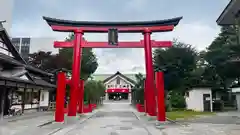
{"x": 23, "y": 46}
{"x": 118, "y": 86}
{"x": 199, "y": 99}
{"x": 22, "y": 86}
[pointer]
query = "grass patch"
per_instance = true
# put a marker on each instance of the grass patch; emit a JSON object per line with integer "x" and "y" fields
{"x": 186, "y": 114}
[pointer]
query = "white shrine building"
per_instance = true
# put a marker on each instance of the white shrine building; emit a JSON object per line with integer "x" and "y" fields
{"x": 117, "y": 85}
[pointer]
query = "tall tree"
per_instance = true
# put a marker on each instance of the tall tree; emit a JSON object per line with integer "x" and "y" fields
{"x": 49, "y": 62}
{"x": 221, "y": 56}
{"x": 89, "y": 62}
{"x": 177, "y": 63}
{"x": 93, "y": 91}
{"x": 138, "y": 89}
{"x": 39, "y": 59}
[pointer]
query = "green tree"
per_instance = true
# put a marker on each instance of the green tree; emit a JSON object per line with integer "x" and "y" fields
{"x": 138, "y": 89}
{"x": 177, "y": 63}
{"x": 93, "y": 91}
{"x": 89, "y": 62}
{"x": 222, "y": 56}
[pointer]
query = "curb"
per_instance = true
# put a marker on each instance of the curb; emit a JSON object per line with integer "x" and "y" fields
{"x": 157, "y": 123}
{"x": 67, "y": 129}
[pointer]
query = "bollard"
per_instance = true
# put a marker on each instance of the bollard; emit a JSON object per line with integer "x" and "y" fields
{"x": 161, "y": 114}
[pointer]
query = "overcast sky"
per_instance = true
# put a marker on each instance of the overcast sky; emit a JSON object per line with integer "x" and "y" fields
{"x": 197, "y": 28}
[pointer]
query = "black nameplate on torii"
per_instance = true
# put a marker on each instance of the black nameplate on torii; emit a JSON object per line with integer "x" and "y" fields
{"x": 113, "y": 36}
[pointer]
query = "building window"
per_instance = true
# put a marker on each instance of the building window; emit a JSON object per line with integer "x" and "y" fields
{"x": 25, "y": 41}
{"x": 35, "y": 96}
{"x": 124, "y": 86}
{"x": 118, "y": 80}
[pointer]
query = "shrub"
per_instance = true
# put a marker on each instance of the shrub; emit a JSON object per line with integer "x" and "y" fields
{"x": 177, "y": 100}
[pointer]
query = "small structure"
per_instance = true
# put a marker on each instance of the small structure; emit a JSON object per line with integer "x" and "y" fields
{"x": 118, "y": 85}
{"x": 199, "y": 99}
{"x": 236, "y": 92}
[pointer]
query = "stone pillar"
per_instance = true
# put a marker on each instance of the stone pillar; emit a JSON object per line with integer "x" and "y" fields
{"x": 106, "y": 96}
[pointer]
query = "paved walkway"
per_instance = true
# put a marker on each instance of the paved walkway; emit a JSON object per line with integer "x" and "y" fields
{"x": 114, "y": 118}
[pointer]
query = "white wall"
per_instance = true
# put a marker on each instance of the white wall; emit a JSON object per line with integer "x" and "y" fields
{"x": 238, "y": 100}
{"x": 44, "y": 98}
{"x": 195, "y": 99}
{"x": 236, "y": 91}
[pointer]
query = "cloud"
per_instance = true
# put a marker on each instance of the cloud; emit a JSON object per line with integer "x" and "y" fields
{"x": 136, "y": 5}
{"x": 197, "y": 32}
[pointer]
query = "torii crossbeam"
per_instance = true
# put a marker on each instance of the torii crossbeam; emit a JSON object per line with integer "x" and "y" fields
{"x": 125, "y": 44}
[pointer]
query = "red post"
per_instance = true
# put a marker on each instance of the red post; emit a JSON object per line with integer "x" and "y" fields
{"x": 145, "y": 98}
{"x": 90, "y": 107}
{"x": 81, "y": 96}
{"x": 161, "y": 115}
{"x": 78, "y": 100}
{"x": 61, "y": 86}
{"x": 75, "y": 73}
{"x": 150, "y": 85}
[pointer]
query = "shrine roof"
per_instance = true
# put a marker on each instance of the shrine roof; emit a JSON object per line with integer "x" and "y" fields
{"x": 229, "y": 14}
{"x": 61, "y": 22}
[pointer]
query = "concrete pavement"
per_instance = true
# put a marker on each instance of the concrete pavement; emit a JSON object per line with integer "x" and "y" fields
{"x": 114, "y": 118}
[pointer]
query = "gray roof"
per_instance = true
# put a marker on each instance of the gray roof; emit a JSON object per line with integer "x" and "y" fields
{"x": 17, "y": 60}
{"x": 229, "y": 14}
{"x": 102, "y": 77}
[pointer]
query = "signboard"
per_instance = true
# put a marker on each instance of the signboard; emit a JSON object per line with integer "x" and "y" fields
{"x": 113, "y": 36}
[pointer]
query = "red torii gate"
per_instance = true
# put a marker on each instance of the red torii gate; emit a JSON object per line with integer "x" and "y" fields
{"x": 81, "y": 27}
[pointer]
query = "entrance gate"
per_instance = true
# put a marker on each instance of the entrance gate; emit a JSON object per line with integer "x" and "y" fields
{"x": 81, "y": 27}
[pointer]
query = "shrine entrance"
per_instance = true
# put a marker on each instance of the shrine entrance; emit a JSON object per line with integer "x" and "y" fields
{"x": 117, "y": 94}
{"x": 112, "y": 28}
